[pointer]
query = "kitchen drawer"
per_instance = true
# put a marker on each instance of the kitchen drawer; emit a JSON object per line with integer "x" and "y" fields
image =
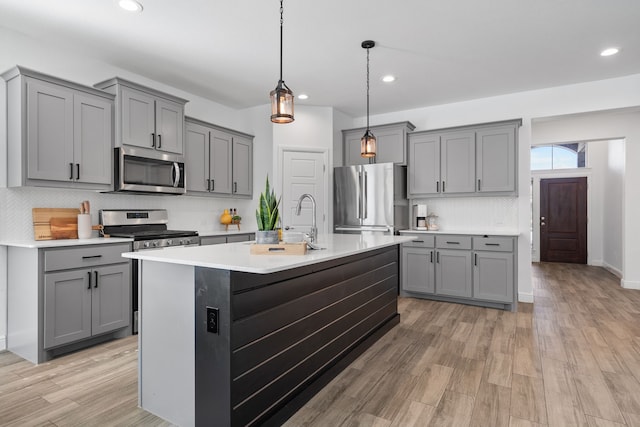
{"x": 498, "y": 244}
{"x": 420, "y": 241}
{"x": 212, "y": 240}
{"x": 84, "y": 256}
{"x": 239, "y": 238}
{"x": 453, "y": 242}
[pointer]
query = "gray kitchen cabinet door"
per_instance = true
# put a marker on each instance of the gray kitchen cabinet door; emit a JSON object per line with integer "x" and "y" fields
{"x": 496, "y": 159}
{"x": 67, "y": 307}
{"x": 92, "y": 138}
{"x": 352, "y": 148}
{"x": 242, "y": 166}
{"x": 221, "y": 160}
{"x": 138, "y": 118}
{"x": 390, "y": 145}
{"x": 169, "y": 126}
{"x": 49, "y": 132}
{"x": 493, "y": 276}
{"x": 458, "y": 162}
{"x": 418, "y": 270}
{"x": 111, "y": 298}
{"x": 453, "y": 273}
{"x": 197, "y": 158}
{"x": 423, "y": 171}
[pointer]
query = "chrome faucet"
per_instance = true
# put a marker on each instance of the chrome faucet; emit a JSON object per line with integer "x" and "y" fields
{"x": 314, "y": 229}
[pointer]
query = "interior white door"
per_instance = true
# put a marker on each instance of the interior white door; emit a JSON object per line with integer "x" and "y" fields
{"x": 303, "y": 172}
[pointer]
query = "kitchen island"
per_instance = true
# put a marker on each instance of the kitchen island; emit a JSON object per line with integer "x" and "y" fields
{"x": 229, "y": 338}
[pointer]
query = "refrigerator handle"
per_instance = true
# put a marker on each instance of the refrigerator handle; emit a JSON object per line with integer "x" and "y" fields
{"x": 364, "y": 197}
{"x": 359, "y": 204}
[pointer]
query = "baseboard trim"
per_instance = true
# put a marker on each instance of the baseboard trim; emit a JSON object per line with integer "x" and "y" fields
{"x": 630, "y": 284}
{"x": 525, "y": 297}
{"x": 613, "y": 270}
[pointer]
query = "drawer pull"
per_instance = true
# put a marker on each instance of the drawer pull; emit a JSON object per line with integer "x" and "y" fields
{"x": 91, "y": 256}
{"x": 453, "y": 243}
{"x": 417, "y": 241}
{"x": 492, "y": 244}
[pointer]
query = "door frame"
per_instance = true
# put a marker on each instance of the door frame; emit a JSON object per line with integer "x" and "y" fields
{"x": 535, "y": 198}
{"x": 282, "y": 149}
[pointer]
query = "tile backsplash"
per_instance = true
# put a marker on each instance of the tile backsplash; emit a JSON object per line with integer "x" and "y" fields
{"x": 185, "y": 212}
{"x": 474, "y": 213}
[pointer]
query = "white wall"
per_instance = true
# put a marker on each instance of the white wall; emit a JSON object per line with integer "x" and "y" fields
{"x": 613, "y": 201}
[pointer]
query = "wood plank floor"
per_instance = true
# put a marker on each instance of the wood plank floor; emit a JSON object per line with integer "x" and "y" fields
{"x": 573, "y": 358}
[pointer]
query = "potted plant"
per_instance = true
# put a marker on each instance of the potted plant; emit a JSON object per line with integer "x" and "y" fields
{"x": 267, "y": 216}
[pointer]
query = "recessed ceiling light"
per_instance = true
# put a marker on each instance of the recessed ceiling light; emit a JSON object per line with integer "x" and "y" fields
{"x": 610, "y": 51}
{"x": 130, "y": 5}
{"x": 388, "y": 78}
{"x": 303, "y": 96}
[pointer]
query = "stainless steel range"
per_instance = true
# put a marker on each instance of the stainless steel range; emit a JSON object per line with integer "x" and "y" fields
{"x": 148, "y": 229}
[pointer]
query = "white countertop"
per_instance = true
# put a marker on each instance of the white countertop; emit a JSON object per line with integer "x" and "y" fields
{"x": 236, "y": 256}
{"x": 513, "y": 233}
{"x": 37, "y": 244}
{"x": 230, "y": 232}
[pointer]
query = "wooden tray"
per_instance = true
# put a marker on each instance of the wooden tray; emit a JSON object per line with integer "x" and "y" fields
{"x": 279, "y": 249}
{"x": 64, "y": 218}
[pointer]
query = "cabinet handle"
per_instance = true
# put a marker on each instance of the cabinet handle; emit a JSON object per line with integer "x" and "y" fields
{"x": 208, "y": 185}
{"x": 418, "y": 241}
{"x": 213, "y": 185}
{"x": 438, "y": 257}
{"x": 95, "y": 275}
{"x": 77, "y": 170}
{"x": 235, "y": 187}
{"x": 153, "y": 140}
{"x": 91, "y": 256}
{"x": 475, "y": 259}
{"x": 443, "y": 186}
{"x": 89, "y": 274}
{"x": 70, "y": 170}
{"x": 431, "y": 252}
{"x": 478, "y": 185}
{"x": 453, "y": 243}
{"x": 159, "y": 140}
{"x": 492, "y": 244}
{"x": 437, "y": 186}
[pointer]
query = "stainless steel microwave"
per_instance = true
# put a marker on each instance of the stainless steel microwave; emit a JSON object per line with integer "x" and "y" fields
{"x": 143, "y": 171}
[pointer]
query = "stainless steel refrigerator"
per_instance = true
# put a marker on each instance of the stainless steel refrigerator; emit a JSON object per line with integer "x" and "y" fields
{"x": 370, "y": 198}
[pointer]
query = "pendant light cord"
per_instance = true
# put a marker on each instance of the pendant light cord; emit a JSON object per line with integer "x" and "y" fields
{"x": 367, "y": 89}
{"x": 281, "y": 25}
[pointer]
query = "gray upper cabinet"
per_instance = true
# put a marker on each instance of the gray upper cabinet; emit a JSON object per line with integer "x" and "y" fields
{"x": 145, "y": 117}
{"x": 470, "y": 160}
{"x": 242, "y": 166}
{"x": 391, "y": 143}
{"x": 496, "y": 156}
{"x": 220, "y": 161}
{"x": 59, "y": 133}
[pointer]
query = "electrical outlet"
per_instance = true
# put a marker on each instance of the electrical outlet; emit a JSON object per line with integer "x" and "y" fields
{"x": 212, "y": 320}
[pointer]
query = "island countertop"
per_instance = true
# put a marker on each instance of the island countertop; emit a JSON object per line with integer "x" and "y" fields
{"x": 236, "y": 256}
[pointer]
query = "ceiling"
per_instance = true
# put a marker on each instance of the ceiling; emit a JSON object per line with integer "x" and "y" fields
{"x": 440, "y": 51}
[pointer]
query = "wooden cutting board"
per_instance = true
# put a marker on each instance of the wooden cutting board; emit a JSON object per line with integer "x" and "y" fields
{"x": 64, "y": 217}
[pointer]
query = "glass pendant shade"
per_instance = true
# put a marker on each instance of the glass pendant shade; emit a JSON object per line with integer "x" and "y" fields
{"x": 281, "y": 104}
{"x": 368, "y": 144}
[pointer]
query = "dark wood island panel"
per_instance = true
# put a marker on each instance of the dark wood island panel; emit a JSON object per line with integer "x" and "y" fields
{"x": 279, "y": 333}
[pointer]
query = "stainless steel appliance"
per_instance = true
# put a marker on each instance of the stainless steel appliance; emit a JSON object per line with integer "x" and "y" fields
{"x": 370, "y": 198}
{"x": 419, "y": 221}
{"x": 144, "y": 171}
{"x": 148, "y": 229}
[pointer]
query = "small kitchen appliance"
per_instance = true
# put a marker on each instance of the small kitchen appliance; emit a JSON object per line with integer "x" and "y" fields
{"x": 148, "y": 229}
{"x": 420, "y": 217}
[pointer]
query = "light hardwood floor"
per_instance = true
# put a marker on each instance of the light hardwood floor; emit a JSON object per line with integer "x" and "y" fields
{"x": 573, "y": 358}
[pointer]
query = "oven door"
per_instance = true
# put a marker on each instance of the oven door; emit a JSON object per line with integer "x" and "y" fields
{"x": 145, "y": 171}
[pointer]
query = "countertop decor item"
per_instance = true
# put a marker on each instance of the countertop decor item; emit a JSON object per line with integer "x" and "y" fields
{"x": 281, "y": 96}
{"x": 267, "y": 216}
{"x": 368, "y": 141}
{"x": 55, "y": 223}
{"x": 432, "y": 222}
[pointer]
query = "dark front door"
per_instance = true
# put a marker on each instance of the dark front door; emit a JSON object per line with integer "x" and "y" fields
{"x": 563, "y": 220}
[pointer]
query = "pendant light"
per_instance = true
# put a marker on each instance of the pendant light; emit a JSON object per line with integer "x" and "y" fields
{"x": 281, "y": 96}
{"x": 368, "y": 140}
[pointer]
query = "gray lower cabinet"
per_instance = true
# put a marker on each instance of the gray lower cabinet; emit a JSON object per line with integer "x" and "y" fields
{"x": 65, "y": 298}
{"x": 391, "y": 144}
{"x": 468, "y": 160}
{"x": 219, "y": 161}
{"x": 477, "y": 270}
{"x": 82, "y": 303}
{"x": 60, "y": 133}
{"x": 218, "y": 240}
